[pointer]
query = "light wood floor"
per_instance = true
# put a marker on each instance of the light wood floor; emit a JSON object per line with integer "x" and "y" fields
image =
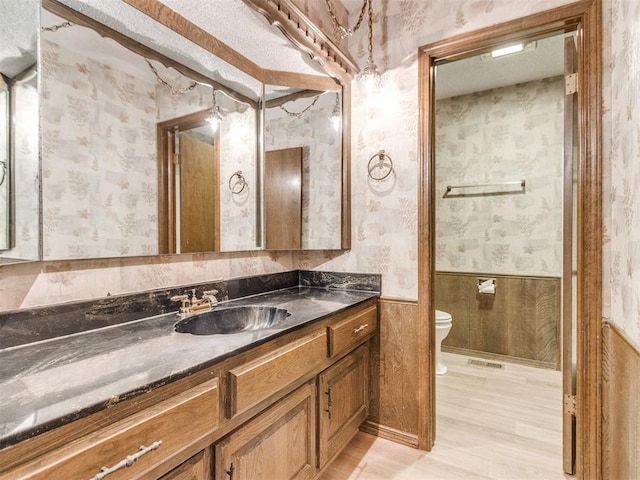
{"x": 498, "y": 424}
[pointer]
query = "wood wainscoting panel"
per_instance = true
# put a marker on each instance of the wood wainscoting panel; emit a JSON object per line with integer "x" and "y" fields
{"x": 521, "y": 320}
{"x": 620, "y": 404}
{"x": 393, "y": 389}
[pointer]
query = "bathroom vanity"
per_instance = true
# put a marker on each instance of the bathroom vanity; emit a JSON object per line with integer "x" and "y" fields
{"x": 277, "y": 402}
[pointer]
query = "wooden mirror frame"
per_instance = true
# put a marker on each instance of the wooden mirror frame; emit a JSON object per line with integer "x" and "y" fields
{"x": 585, "y": 17}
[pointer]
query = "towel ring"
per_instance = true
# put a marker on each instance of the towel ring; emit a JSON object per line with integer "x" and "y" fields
{"x": 237, "y": 183}
{"x": 382, "y": 168}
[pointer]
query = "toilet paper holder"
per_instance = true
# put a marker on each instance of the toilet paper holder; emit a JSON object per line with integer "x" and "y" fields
{"x": 487, "y": 286}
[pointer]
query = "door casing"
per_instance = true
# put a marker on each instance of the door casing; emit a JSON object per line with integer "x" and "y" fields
{"x": 586, "y": 18}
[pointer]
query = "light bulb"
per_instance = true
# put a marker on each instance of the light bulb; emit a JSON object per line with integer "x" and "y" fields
{"x": 214, "y": 119}
{"x": 369, "y": 75}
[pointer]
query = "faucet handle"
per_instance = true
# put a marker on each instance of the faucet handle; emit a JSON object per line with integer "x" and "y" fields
{"x": 185, "y": 301}
{"x": 211, "y": 295}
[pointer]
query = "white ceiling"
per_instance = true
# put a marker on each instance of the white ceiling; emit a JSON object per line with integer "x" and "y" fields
{"x": 477, "y": 74}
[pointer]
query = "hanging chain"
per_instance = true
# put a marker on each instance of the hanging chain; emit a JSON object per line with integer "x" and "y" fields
{"x": 55, "y": 28}
{"x": 300, "y": 114}
{"x": 340, "y": 31}
{"x": 370, "y": 46}
{"x": 174, "y": 90}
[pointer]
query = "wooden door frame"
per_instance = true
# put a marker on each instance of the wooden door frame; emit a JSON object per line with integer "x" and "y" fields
{"x": 166, "y": 179}
{"x": 585, "y": 16}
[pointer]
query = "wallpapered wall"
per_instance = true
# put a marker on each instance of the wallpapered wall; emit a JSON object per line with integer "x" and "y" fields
{"x": 322, "y": 165}
{"x": 621, "y": 145}
{"x": 26, "y": 168}
{"x": 4, "y": 166}
{"x": 100, "y": 154}
{"x": 384, "y": 216}
{"x": 501, "y": 135}
{"x": 99, "y": 172}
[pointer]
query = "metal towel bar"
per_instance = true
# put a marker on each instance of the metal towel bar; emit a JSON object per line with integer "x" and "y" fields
{"x": 521, "y": 183}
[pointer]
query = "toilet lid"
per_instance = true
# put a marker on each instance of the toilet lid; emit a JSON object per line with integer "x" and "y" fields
{"x": 442, "y": 317}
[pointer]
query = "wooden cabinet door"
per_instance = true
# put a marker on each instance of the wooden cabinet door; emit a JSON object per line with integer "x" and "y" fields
{"x": 343, "y": 402}
{"x": 197, "y": 467}
{"x": 279, "y": 444}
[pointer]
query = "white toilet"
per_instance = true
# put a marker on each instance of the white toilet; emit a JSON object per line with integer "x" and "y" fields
{"x": 443, "y": 326}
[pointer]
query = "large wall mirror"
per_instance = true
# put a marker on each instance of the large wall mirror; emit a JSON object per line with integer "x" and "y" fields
{"x": 302, "y": 168}
{"x": 19, "y": 160}
{"x": 152, "y": 145}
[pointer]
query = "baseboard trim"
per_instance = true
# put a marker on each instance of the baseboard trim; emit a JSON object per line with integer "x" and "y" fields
{"x": 500, "y": 357}
{"x": 388, "y": 433}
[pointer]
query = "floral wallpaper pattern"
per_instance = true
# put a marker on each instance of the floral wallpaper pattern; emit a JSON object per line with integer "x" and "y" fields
{"x": 621, "y": 145}
{"x": 5, "y": 156}
{"x": 321, "y": 165}
{"x": 501, "y": 135}
{"x": 99, "y": 169}
{"x": 26, "y": 170}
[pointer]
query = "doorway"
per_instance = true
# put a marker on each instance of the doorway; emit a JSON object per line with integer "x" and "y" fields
{"x": 584, "y": 18}
{"x": 189, "y": 177}
{"x": 500, "y": 240}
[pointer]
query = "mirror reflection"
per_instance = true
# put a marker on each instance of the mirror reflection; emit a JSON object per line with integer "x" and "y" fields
{"x": 127, "y": 171}
{"x": 19, "y": 163}
{"x": 302, "y": 168}
{"x": 152, "y": 145}
{"x": 207, "y": 208}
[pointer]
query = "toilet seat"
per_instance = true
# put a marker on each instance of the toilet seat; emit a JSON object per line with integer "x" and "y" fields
{"x": 442, "y": 317}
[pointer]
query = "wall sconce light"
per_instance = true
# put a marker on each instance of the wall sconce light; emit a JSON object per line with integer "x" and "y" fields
{"x": 215, "y": 117}
{"x": 369, "y": 75}
{"x": 336, "y": 114}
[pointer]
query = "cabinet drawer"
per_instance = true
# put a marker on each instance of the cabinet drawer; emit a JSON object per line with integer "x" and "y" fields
{"x": 349, "y": 332}
{"x": 163, "y": 430}
{"x": 255, "y": 381}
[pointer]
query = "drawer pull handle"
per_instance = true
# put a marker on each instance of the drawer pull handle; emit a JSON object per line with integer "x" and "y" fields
{"x": 329, "y": 402}
{"x": 126, "y": 462}
{"x": 232, "y": 469}
{"x": 360, "y": 328}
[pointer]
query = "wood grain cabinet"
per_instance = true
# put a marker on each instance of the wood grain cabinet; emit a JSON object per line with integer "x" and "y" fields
{"x": 256, "y": 380}
{"x": 279, "y": 444}
{"x": 136, "y": 446}
{"x": 281, "y": 411}
{"x": 198, "y": 467}
{"x": 343, "y": 402}
{"x": 347, "y": 333}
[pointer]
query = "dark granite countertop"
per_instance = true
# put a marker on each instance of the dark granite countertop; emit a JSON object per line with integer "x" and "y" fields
{"x": 48, "y": 383}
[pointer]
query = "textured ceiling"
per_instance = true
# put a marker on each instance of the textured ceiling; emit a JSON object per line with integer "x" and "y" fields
{"x": 132, "y": 23}
{"x": 18, "y": 35}
{"x": 247, "y": 32}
